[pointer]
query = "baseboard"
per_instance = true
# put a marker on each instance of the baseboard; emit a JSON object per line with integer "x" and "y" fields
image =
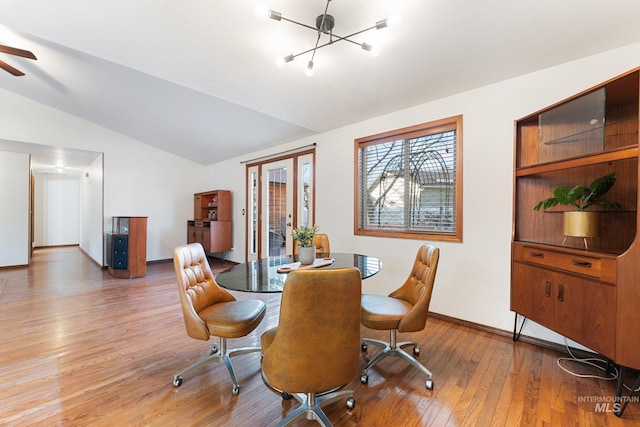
{"x": 91, "y": 259}
{"x": 159, "y": 261}
{"x": 509, "y": 334}
{"x": 56, "y": 246}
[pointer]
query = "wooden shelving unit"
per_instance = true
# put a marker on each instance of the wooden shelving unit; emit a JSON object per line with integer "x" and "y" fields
{"x": 590, "y": 296}
{"x": 211, "y": 224}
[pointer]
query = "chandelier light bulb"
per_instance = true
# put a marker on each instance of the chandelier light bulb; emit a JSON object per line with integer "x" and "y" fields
{"x": 308, "y": 71}
{"x": 281, "y": 60}
{"x": 262, "y": 11}
{"x": 394, "y": 20}
{"x": 373, "y": 50}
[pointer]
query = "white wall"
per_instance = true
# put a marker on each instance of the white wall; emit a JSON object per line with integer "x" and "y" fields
{"x": 473, "y": 281}
{"x": 473, "y": 276}
{"x": 14, "y": 210}
{"x": 56, "y": 210}
{"x": 139, "y": 180}
{"x": 91, "y": 236}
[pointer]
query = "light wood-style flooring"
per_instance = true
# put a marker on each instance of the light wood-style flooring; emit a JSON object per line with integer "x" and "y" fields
{"x": 80, "y": 348}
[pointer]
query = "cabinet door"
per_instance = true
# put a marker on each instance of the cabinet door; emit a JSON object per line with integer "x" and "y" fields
{"x": 220, "y": 236}
{"x": 205, "y": 238}
{"x": 585, "y": 312}
{"x": 197, "y": 206}
{"x": 532, "y": 293}
{"x": 191, "y": 234}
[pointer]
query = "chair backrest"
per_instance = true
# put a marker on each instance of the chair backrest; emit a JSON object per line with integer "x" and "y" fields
{"x": 317, "y": 343}
{"x": 418, "y": 287}
{"x": 197, "y": 287}
{"x": 321, "y": 242}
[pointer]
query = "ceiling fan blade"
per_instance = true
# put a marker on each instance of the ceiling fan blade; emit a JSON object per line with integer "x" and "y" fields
{"x": 18, "y": 52}
{"x": 10, "y": 69}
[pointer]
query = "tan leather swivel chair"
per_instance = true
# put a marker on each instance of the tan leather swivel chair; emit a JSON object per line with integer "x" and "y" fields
{"x": 321, "y": 242}
{"x": 404, "y": 310}
{"x": 209, "y": 310}
{"x": 315, "y": 347}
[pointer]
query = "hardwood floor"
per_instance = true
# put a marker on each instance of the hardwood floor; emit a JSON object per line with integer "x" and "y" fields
{"x": 80, "y": 348}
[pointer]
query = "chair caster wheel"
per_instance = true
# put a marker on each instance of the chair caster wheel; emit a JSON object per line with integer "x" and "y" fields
{"x": 214, "y": 349}
{"x": 364, "y": 378}
{"x": 416, "y": 350}
{"x": 236, "y": 390}
{"x": 351, "y": 403}
{"x": 177, "y": 381}
{"x": 286, "y": 396}
{"x": 364, "y": 347}
{"x": 429, "y": 384}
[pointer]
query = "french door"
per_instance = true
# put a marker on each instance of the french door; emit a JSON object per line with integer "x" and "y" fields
{"x": 279, "y": 197}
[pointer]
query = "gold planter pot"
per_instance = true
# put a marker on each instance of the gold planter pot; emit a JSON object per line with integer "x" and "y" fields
{"x": 580, "y": 224}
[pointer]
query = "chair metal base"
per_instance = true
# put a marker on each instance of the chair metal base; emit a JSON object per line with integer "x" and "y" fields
{"x": 310, "y": 405}
{"x": 218, "y": 354}
{"x": 391, "y": 349}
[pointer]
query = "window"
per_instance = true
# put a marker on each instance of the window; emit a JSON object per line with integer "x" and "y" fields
{"x": 409, "y": 182}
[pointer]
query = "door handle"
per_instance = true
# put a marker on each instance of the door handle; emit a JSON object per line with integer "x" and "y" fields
{"x": 579, "y": 263}
{"x": 547, "y": 289}
{"x": 560, "y": 293}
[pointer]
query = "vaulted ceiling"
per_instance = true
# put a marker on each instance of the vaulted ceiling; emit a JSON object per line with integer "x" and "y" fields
{"x": 197, "y": 78}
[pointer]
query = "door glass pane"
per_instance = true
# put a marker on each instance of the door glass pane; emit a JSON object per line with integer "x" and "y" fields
{"x": 277, "y": 211}
{"x": 253, "y": 213}
{"x": 305, "y": 191}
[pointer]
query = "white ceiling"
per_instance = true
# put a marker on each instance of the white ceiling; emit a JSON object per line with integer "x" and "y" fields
{"x": 197, "y": 78}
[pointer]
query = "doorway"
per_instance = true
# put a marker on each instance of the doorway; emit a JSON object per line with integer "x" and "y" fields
{"x": 280, "y": 196}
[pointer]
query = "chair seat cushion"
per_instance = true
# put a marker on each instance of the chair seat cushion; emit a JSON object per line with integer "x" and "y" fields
{"x": 382, "y": 312}
{"x": 233, "y": 319}
{"x": 267, "y": 338}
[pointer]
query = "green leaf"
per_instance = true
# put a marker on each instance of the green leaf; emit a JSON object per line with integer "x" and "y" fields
{"x": 582, "y": 197}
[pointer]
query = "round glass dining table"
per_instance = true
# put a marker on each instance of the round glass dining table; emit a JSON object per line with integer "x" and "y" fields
{"x": 262, "y": 275}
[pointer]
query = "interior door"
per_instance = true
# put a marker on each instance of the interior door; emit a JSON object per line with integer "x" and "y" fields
{"x": 305, "y": 190}
{"x": 276, "y": 216}
{"x": 253, "y": 213}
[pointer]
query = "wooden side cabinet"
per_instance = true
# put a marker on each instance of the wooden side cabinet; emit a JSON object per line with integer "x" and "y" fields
{"x": 211, "y": 225}
{"x": 589, "y": 295}
{"x": 127, "y": 247}
{"x": 572, "y": 306}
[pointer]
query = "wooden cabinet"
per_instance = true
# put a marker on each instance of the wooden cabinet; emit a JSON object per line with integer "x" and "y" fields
{"x": 590, "y": 296}
{"x": 211, "y": 225}
{"x": 572, "y": 306}
{"x": 127, "y": 247}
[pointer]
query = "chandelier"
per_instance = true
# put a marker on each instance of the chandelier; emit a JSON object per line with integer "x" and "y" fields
{"x": 323, "y": 26}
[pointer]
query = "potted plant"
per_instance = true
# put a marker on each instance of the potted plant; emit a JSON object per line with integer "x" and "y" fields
{"x": 578, "y": 222}
{"x": 306, "y": 250}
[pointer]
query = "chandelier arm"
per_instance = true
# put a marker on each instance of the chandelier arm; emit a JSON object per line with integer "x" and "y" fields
{"x": 316, "y": 48}
{"x": 329, "y": 33}
{"x": 320, "y": 29}
{"x": 298, "y": 23}
{"x": 351, "y": 35}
